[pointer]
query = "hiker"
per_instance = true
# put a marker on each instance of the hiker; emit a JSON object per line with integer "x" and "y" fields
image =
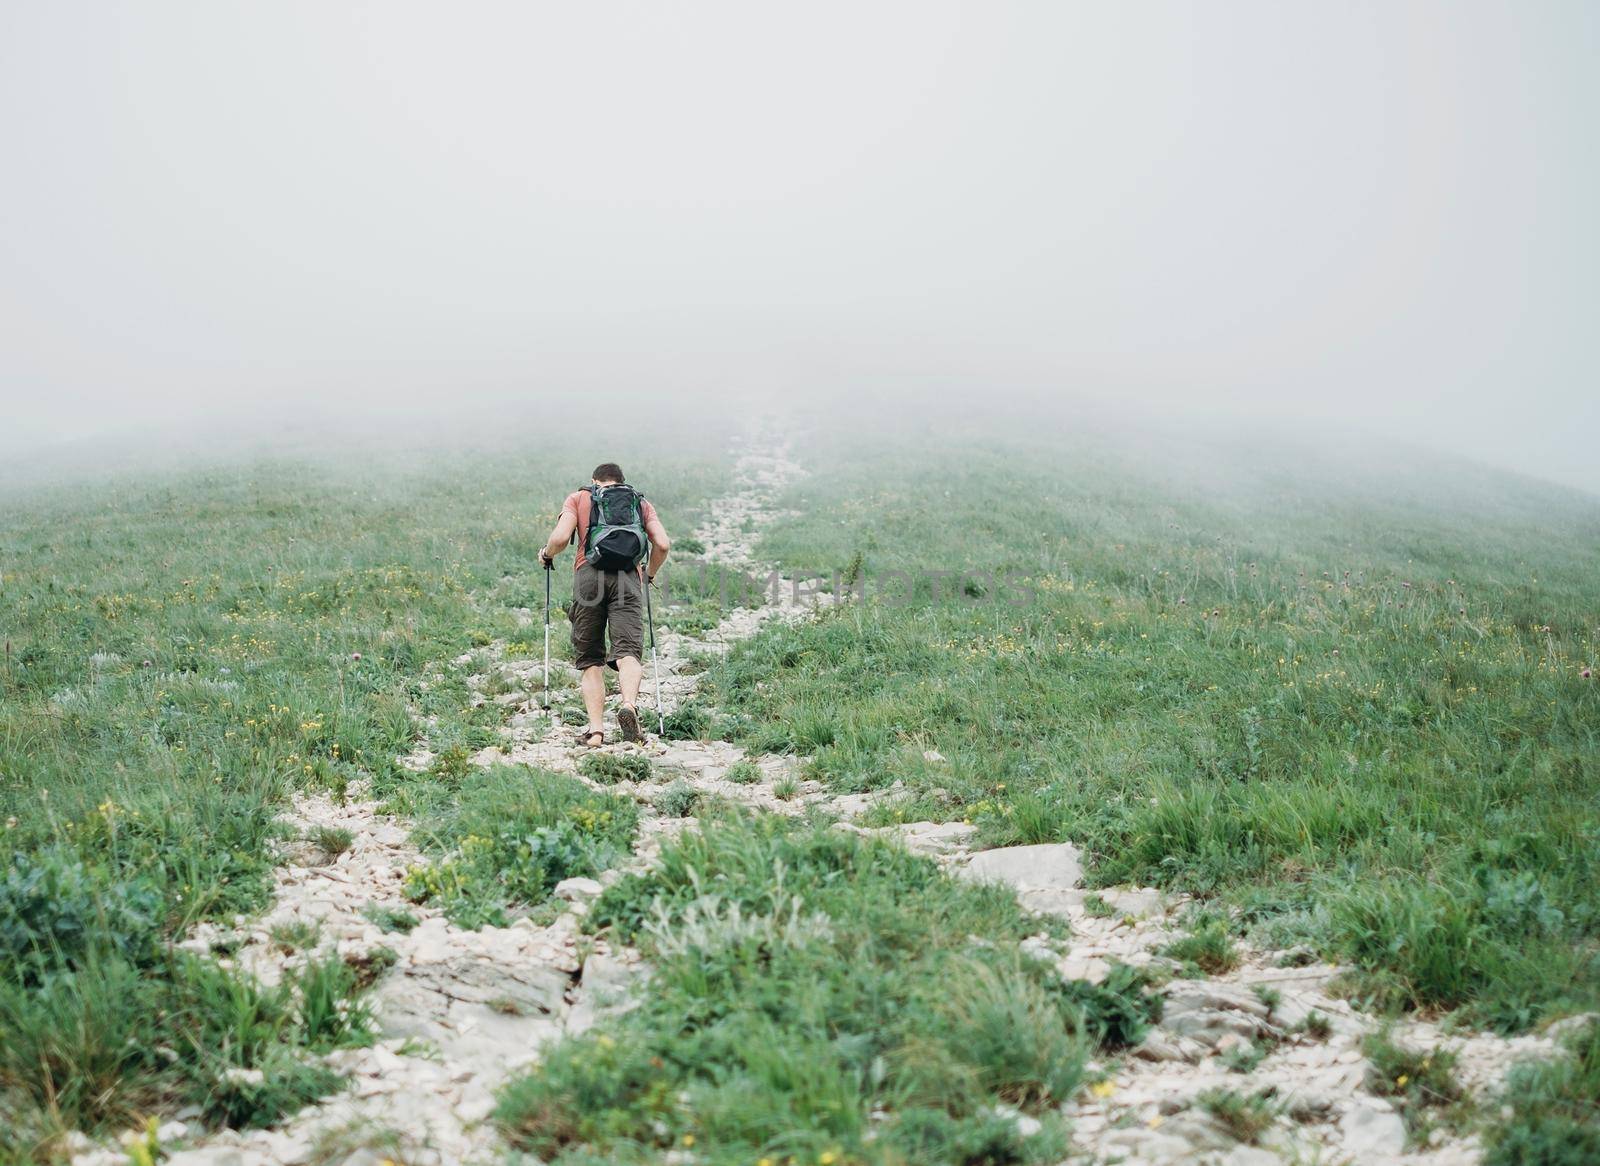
{"x": 621, "y": 545}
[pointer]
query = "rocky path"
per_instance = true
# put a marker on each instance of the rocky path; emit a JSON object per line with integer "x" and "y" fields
{"x": 1272, "y": 1027}
{"x": 461, "y": 1010}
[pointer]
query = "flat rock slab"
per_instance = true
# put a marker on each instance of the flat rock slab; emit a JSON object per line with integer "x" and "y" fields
{"x": 1048, "y": 866}
{"x": 933, "y": 838}
{"x": 1137, "y": 902}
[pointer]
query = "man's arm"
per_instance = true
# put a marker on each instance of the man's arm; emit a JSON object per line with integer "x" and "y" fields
{"x": 660, "y": 544}
{"x": 559, "y": 537}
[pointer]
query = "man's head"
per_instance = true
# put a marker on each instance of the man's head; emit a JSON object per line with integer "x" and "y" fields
{"x": 608, "y": 474}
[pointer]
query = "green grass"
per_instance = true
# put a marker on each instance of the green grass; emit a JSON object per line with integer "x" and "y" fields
{"x": 1348, "y": 703}
{"x": 97, "y": 1042}
{"x": 1555, "y": 1109}
{"x": 180, "y": 650}
{"x": 1206, "y": 949}
{"x": 331, "y": 840}
{"x": 678, "y": 800}
{"x": 744, "y": 772}
{"x": 300, "y": 935}
{"x": 803, "y": 979}
{"x": 1245, "y": 1116}
{"x": 1344, "y": 706}
{"x": 506, "y": 836}
{"x": 391, "y": 918}
{"x": 610, "y": 768}
{"x": 1416, "y": 1080}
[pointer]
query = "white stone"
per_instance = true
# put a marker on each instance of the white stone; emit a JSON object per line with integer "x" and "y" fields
{"x": 1569, "y": 1025}
{"x": 207, "y": 1156}
{"x": 1250, "y": 1156}
{"x": 100, "y": 1158}
{"x": 1047, "y": 865}
{"x": 931, "y": 837}
{"x": 578, "y": 888}
{"x": 1371, "y": 1134}
{"x": 1138, "y": 903}
{"x": 1091, "y": 969}
{"x": 475, "y": 1109}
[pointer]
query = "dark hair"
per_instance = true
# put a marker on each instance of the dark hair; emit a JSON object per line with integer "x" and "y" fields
{"x": 608, "y": 472}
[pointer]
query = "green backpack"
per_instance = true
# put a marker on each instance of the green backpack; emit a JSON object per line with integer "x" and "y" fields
{"x": 616, "y": 540}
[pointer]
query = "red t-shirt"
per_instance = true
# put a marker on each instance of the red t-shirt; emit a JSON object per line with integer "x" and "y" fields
{"x": 578, "y": 504}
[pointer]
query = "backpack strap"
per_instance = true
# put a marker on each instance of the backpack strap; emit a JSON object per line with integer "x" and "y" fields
{"x": 594, "y": 516}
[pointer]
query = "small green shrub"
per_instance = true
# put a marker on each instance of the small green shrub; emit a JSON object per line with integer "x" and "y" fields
{"x": 1207, "y": 947}
{"x": 610, "y": 768}
{"x": 584, "y": 1092}
{"x": 511, "y": 835}
{"x": 1412, "y": 1076}
{"x": 1316, "y": 1026}
{"x": 687, "y": 722}
{"x": 1493, "y": 944}
{"x": 1097, "y": 908}
{"x": 743, "y": 772}
{"x": 1119, "y": 1010}
{"x": 297, "y": 936}
{"x": 255, "y": 1099}
{"x": 1246, "y": 1116}
{"x": 451, "y": 764}
{"x": 391, "y": 918}
{"x": 1246, "y": 1057}
{"x": 678, "y": 800}
{"x": 1010, "y": 1029}
{"x": 334, "y": 840}
{"x": 331, "y": 1013}
{"x": 54, "y": 911}
{"x": 370, "y": 965}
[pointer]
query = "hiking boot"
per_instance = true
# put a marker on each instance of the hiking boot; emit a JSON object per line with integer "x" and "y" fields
{"x": 628, "y": 719}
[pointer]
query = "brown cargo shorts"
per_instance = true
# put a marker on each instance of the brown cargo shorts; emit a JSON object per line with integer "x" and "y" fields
{"x": 601, "y": 600}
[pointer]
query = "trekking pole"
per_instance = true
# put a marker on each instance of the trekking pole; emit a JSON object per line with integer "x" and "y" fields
{"x": 548, "y": 572}
{"x": 655, "y": 667}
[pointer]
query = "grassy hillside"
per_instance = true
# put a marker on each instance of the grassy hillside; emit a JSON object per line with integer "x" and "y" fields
{"x": 1348, "y": 699}
{"x": 180, "y": 651}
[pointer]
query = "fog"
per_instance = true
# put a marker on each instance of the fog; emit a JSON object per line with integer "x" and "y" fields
{"x": 266, "y": 216}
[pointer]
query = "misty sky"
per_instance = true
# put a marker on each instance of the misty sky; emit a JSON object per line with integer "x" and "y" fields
{"x": 1379, "y": 214}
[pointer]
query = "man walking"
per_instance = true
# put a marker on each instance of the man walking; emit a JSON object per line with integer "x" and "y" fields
{"x": 629, "y": 545}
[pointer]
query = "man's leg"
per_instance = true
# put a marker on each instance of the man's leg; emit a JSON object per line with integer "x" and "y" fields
{"x": 626, "y": 620}
{"x": 629, "y": 673}
{"x": 594, "y": 696}
{"x": 588, "y": 616}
